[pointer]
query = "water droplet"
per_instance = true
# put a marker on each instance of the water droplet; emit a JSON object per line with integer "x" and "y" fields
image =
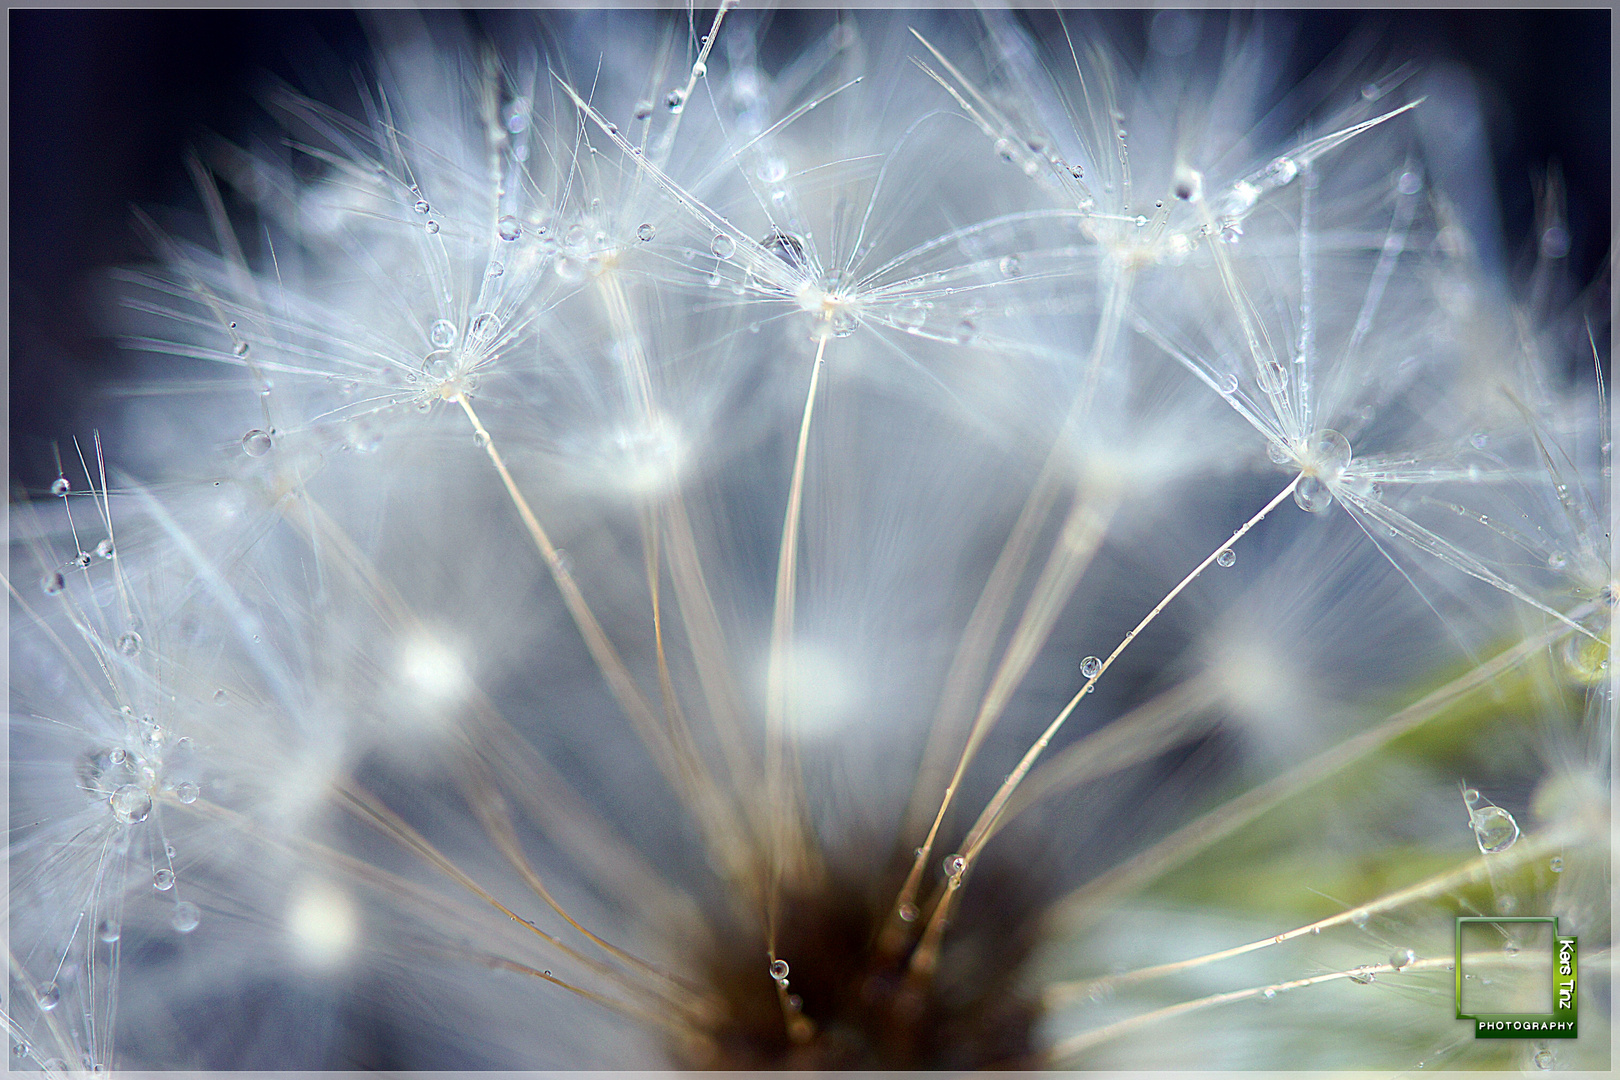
{"x": 1586, "y": 660}
{"x": 256, "y": 443}
{"x": 1231, "y": 231}
{"x": 1279, "y": 453}
{"x": 699, "y": 70}
{"x": 773, "y": 170}
{"x": 779, "y": 969}
{"x": 643, "y": 110}
{"x": 1359, "y": 917}
{"x": 1226, "y": 558}
{"x": 1283, "y": 170}
{"x": 517, "y": 116}
{"x": 508, "y": 228}
{"x": 1478, "y": 440}
{"x": 1011, "y": 266}
{"x": 82, "y": 559}
{"x": 1470, "y": 796}
{"x": 1268, "y": 993}
{"x": 1555, "y": 242}
{"x": 109, "y": 931}
{"x": 1226, "y": 383}
{"x": 60, "y": 487}
{"x": 1401, "y": 957}
{"x": 495, "y": 269}
{"x": 129, "y": 643}
{"x": 104, "y": 550}
{"x": 240, "y": 349}
{"x": 965, "y": 332}
{"x": 1272, "y": 377}
{"x": 185, "y": 917}
{"x": 911, "y": 316}
{"x": 785, "y": 246}
{"x": 646, "y": 231}
{"x": 48, "y": 997}
{"x": 908, "y": 912}
{"x": 1544, "y": 1059}
{"x": 1494, "y": 829}
{"x": 1557, "y": 560}
{"x": 186, "y": 792}
{"x": 1408, "y": 183}
{"x": 1556, "y": 864}
{"x": 1090, "y": 667}
{"x": 842, "y": 322}
{"x": 163, "y": 879}
{"x": 675, "y": 101}
{"x": 1327, "y": 453}
{"x": 52, "y": 582}
{"x": 1362, "y": 976}
{"x": 1077, "y": 171}
{"x": 722, "y": 246}
{"x": 130, "y": 804}
{"x": 1313, "y": 495}
{"x": 442, "y": 334}
{"x": 485, "y": 326}
{"x": 432, "y": 227}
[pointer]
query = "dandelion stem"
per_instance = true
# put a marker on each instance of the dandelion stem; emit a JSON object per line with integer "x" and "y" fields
{"x": 925, "y": 956}
{"x": 776, "y": 709}
{"x": 721, "y": 835}
{"x": 1198, "y": 835}
{"x": 1526, "y": 850}
{"x": 1075, "y": 1044}
{"x": 607, "y": 658}
{"x": 1082, "y": 534}
{"x": 1151, "y": 728}
{"x": 980, "y": 832}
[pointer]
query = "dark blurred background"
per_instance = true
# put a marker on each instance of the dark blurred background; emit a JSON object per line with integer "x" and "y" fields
{"x": 104, "y": 103}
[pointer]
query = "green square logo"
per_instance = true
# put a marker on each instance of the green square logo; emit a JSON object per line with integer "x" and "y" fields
{"x": 1516, "y": 977}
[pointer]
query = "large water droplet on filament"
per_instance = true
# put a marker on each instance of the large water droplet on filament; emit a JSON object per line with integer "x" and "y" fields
{"x": 1494, "y": 829}
{"x": 256, "y": 443}
{"x": 130, "y": 804}
{"x": 185, "y": 917}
